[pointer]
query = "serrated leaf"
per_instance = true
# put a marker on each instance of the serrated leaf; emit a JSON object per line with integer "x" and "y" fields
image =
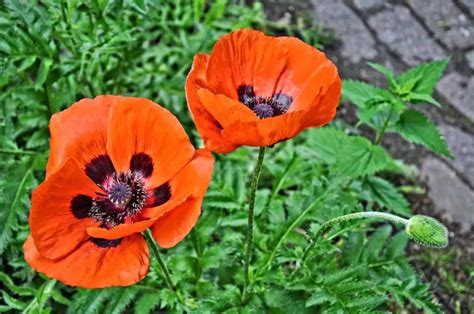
{"x": 147, "y": 302}
{"x": 397, "y": 245}
{"x": 353, "y": 156}
{"x": 415, "y": 127}
{"x": 424, "y": 77}
{"x": 359, "y": 93}
{"x": 422, "y": 98}
{"x": 359, "y": 158}
{"x": 387, "y": 196}
{"x": 376, "y": 242}
{"x": 386, "y": 72}
{"x": 318, "y": 297}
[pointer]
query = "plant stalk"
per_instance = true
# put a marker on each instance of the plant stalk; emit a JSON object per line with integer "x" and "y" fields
{"x": 164, "y": 269}
{"x": 348, "y": 217}
{"x": 251, "y": 201}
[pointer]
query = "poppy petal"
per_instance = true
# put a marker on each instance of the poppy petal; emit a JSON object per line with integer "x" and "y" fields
{"x": 80, "y": 132}
{"x": 192, "y": 180}
{"x": 58, "y": 217}
{"x": 94, "y": 265}
{"x": 173, "y": 226}
{"x": 246, "y": 57}
{"x": 138, "y": 125}
{"x": 225, "y": 110}
{"x": 317, "y": 86}
{"x": 208, "y": 127}
{"x": 121, "y": 230}
{"x": 265, "y": 132}
{"x": 303, "y": 62}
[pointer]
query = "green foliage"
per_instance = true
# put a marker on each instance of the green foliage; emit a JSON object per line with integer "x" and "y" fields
{"x": 386, "y": 109}
{"x": 415, "y": 127}
{"x": 53, "y": 53}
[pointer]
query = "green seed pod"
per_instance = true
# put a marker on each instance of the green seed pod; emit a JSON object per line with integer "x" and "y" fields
{"x": 427, "y": 231}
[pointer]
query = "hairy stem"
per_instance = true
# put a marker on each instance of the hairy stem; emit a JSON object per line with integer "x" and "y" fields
{"x": 164, "y": 269}
{"x": 330, "y": 223}
{"x": 251, "y": 201}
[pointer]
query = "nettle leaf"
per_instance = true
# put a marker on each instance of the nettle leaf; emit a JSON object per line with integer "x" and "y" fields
{"x": 360, "y": 93}
{"x": 386, "y": 195}
{"x": 353, "y": 156}
{"x": 423, "y": 78}
{"x": 386, "y": 72}
{"x": 415, "y": 127}
{"x": 422, "y": 98}
{"x": 360, "y": 157}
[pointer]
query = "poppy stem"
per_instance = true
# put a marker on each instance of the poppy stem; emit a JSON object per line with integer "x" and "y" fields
{"x": 164, "y": 269}
{"x": 251, "y": 201}
{"x": 385, "y": 216}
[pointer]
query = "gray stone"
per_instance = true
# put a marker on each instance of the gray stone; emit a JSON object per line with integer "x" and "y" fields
{"x": 357, "y": 42}
{"x": 470, "y": 59}
{"x": 461, "y": 146}
{"x": 446, "y": 21}
{"x": 402, "y": 33}
{"x": 469, "y": 4}
{"x": 365, "y": 5}
{"x": 458, "y": 91}
{"x": 449, "y": 193}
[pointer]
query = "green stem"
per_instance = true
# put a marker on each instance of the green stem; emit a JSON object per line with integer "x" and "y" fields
{"x": 330, "y": 223}
{"x": 378, "y": 138}
{"x": 164, "y": 269}
{"x": 290, "y": 228}
{"x": 251, "y": 201}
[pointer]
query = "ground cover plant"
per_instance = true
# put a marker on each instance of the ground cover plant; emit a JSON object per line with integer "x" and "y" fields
{"x": 306, "y": 258}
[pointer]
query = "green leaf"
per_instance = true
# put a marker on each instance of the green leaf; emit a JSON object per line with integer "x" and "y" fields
{"x": 385, "y": 71}
{"x": 360, "y": 93}
{"x": 423, "y": 78}
{"x": 397, "y": 245}
{"x": 147, "y": 303}
{"x": 353, "y": 156}
{"x": 318, "y": 297}
{"x": 422, "y": 98}
{"x": 359, "y": 157}
{"x": 415, "y": 127}
{"x": 9, "y": 221}
{"x": 387, "y": 196}
{"x": 43, "y": 72}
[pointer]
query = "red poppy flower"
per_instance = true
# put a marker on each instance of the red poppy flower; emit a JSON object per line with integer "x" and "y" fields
{"x": 258, "y": 90}
{"x": 118, "y": 165}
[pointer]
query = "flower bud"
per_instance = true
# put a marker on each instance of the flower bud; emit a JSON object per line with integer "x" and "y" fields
{"x": 427, "y": 231}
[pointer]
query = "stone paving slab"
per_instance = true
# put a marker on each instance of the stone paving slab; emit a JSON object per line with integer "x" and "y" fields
{"x": 461, "y": 145}
{"x": 459, "y": 92}
{"x": 448, "y": 193}
{"x": 402, "y": 33}
{"x": 357, "y": 42}
{"x": 446, "y": 21}
{"x": 365, "y": 5}
{"x": 469, "y": 4}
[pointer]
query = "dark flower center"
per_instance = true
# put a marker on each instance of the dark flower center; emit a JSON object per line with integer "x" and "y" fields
{"x": 264, "y": 107}
{"x": 124, "y": 196}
